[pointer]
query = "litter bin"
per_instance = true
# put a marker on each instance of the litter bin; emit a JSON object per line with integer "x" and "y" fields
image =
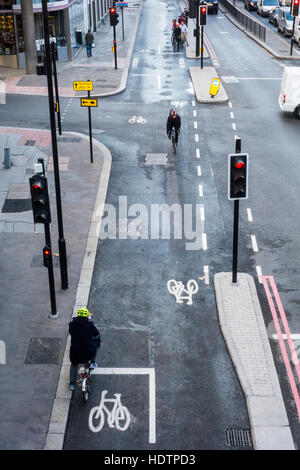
{"x": 40, "y": 69}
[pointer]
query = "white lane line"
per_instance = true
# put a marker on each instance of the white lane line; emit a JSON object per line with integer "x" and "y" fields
{"x": 202, "y": 214}
{"x": 254, "y": 243}
{"x": 233, "y": 126}
{"x": 249, "y": 213}
{"x": 232, "y": 115}
{"x": 159, "y": 49}
{"x": 259, "y": 273}
{"x": 206, "y": 274}
{"x": 204, "y": 241}
{"x": 195, "y": 125}
{"x": 194, "y": 113}
{"x": 230, "y": 104}
{"x": 193, "y": 103}
{"x": 198, "y": 170}
{"x": 197, "y": 153}
{"x": 292, "y": 336}
{"x": 200, "y": 187}
{"x": 196, "y": 138}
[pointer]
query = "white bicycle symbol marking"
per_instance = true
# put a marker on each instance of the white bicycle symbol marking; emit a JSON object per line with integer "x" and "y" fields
{"x": 137, "y": 119}
{"x": 117, "y": 414}
{"x": 177, "y": 288}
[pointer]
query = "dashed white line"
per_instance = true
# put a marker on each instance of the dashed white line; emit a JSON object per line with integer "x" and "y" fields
{"x": 198, "y": 170}
{"x": 259, "y": 274}
{"x": 196, "y": 138}
{"x": 233, "y": 126}
{"x": 232, "y": 115}
{"x": 202, "y": 213}
{"x": 249, "y": 213}
{"x": 230, "y": 104}
{"x": 194, "y": 113}
{"x": 193, "y": 103}
{"x": 254, "y": 243}
{"x": 195, "y": 125}
{"x": 197, "y": 153}
{"x": 206, "y": 274}
{"x": 200, "y": 187}
{"x": 204, "y": 241}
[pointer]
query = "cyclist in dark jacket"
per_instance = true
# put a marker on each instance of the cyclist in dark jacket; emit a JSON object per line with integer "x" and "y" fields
{"x": 173, "y": 120}
{"x": 85, "y": 340}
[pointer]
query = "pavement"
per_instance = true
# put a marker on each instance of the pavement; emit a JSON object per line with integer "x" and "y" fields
{"x": 35, "y": 395}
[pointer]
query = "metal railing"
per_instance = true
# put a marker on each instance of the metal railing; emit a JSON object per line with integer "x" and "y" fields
{"x": 251, "y": 25}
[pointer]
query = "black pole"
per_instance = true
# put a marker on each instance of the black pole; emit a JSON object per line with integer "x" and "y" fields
{"x": 197, "y": 30}
{"x": 61, "y": 240}
{"x": 202, "y": 47}
{"x": 122, "y": 23}
{"x": 115, "y": 47}
{"x": 292, "y": 37}
{"x": 90, "y": 129}
{"x": 50, "y": 273}
{"x": 235, "y": 225}
{"x": 53, "y": 53}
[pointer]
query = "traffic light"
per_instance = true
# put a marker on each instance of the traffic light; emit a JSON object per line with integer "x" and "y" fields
{"x": 203, "y": 14}
{"x": 295, "y": 7}
{"x": 238, "y": 176}
{"x": 40, "y": 199}
{"x": 47, "y": 255}
{"x": 193, "y": 4}
{"x": 113, "y": 16}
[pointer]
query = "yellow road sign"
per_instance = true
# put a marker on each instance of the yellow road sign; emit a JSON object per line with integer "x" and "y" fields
{"x": 83, "y": 86}
{"x": 214, "y": 87}
{"x": 93, "y": 102}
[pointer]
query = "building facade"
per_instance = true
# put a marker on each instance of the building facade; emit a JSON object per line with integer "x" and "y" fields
{"x": 68, "y": 22}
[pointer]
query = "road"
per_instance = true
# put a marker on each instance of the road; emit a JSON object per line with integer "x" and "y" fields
{"x": 144, "y": 330}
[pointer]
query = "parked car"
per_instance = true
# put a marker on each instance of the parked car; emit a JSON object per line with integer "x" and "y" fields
{"x": 250, "y": 5}
{"x": 273, "y": 16}
{"x": 285, "y": 21}
{"x": 289, "y": 97}
{"x": 297, "y": 30}
{"x": 264, "y": 6}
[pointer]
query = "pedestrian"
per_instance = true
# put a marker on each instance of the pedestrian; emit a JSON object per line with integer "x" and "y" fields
{"x": 89, "y": 39}
{"x": 85, "y": 340}
{"x": 184, "y": 30}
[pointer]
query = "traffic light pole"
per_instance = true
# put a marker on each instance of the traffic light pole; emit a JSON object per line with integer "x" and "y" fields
{"x": 61, "y": 240}
{"x": 235, "y": 225}
{"x": 292, "y": 37}
{"x": 90, "y": 130}
{"x": 201, "y": 47}
{"x": 197, "y": 30}
{"x": 54, "y": 313}
{"x": 115, "y": 47}
{"x": 53, "y": 54}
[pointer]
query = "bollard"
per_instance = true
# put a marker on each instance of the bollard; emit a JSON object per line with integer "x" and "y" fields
{"x": 6, "y": 163}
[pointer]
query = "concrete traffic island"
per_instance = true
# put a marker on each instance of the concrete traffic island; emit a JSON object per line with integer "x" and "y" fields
{"x": 245, "y": 334}
{"x": 201, "y": 79}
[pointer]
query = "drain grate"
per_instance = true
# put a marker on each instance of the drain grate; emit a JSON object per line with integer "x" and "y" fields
{"x": 30, "y": 142}
{"x": 238, "y": 437}
{"x": 44, "y": 351}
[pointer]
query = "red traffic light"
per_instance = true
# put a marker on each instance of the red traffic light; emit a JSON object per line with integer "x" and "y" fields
{"x": 296, "y": 2}
{"x": 239, "y": 164}
{"x": 203, "y": 9}
{"x": 112, "y": 10}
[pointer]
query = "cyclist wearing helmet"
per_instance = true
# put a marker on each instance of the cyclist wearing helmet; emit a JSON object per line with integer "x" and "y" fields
{"x": 85, "y": 340}
{"x": 173, "y": 120}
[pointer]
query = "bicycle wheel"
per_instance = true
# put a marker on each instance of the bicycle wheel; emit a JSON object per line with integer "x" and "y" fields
{"x": 122, "y": 414}
{"x": 94, "y": 416}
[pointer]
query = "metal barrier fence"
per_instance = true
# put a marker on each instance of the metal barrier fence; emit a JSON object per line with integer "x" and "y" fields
{"x": 251, "y": 25}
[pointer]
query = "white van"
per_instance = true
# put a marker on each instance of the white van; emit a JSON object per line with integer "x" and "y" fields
{"x": 297, "y": 30}
{"x": 264, "y": 6}
{"x": 285, "y": 21}
{"x": 289, "y": 97}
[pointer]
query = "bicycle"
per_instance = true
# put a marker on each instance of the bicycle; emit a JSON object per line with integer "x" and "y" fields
{"x": 118, "y": 413}
{"x": 85, "y": 381}
{"x": 173, "y": 139}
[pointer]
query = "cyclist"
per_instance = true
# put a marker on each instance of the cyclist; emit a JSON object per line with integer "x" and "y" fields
{"x": 85, "y": 340}
{"x": 174, "y": 120}
{"x": 176, "y": 36}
